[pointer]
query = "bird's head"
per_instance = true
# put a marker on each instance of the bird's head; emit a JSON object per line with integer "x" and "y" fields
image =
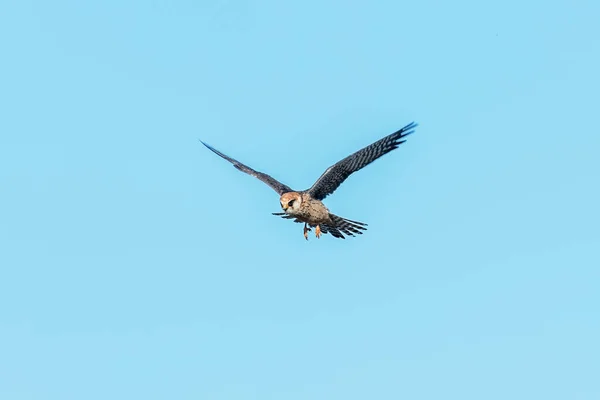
{"x": 290, "y": 202}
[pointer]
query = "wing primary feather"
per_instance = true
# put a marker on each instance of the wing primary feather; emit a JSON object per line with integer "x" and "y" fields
{"x": 279, "y": 187}
{"x": 335, "y": 175}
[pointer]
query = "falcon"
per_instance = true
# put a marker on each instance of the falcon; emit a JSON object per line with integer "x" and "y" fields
{"x": 306, "y": 206}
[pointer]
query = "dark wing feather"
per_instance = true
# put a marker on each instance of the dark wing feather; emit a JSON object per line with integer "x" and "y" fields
{"x": 269, "y": 180}
{"x": 333, "y": 177}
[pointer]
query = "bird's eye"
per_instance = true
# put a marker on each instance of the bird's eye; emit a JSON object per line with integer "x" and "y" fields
{"x": 291, "y": 203}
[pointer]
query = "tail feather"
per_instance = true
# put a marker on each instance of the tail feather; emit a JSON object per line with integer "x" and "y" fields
{"x": 333, "y": 231}
{"x": 287, "y": 216}
{"x": 338, "y": 228}
{"x": 345, "y": 226}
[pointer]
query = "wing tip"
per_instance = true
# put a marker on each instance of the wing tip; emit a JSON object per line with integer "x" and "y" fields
{"x": 408, "y": 129}
{"x": 207, "y": 145}
{"x": 399, "y": 136}
{"x": 217, "y": 152}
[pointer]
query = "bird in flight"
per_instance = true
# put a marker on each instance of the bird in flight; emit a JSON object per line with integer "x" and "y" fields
{"x": 306, "y": 206}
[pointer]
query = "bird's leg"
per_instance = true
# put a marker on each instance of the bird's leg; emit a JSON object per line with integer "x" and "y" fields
{"x": 305, "y": 231}
{"x": 318, "y": 231}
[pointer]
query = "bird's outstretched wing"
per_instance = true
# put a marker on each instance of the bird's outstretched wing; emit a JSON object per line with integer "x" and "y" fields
{"x": 333, "y": 177}
{"x": 269, "y": 180}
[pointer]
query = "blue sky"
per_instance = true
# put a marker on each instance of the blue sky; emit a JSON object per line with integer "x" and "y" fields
{"x": 135, "y": 263}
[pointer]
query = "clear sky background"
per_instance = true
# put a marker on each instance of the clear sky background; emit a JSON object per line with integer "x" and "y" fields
{"x": 136, "y": 264}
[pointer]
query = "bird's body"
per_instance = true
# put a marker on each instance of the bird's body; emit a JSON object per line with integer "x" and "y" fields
{"x": 306, "y": 206}
{"x": 302, "y": 207}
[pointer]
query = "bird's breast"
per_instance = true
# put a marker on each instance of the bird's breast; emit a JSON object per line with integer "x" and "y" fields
{"x": 314, "y": 211}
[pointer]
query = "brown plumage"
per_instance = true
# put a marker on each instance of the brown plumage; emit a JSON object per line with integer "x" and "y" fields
{"x": 306, "y": 206}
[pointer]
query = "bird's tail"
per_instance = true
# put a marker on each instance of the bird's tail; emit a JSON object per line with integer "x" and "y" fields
{"x": 337, "y": 228}
{"x": 346, "y": 226}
